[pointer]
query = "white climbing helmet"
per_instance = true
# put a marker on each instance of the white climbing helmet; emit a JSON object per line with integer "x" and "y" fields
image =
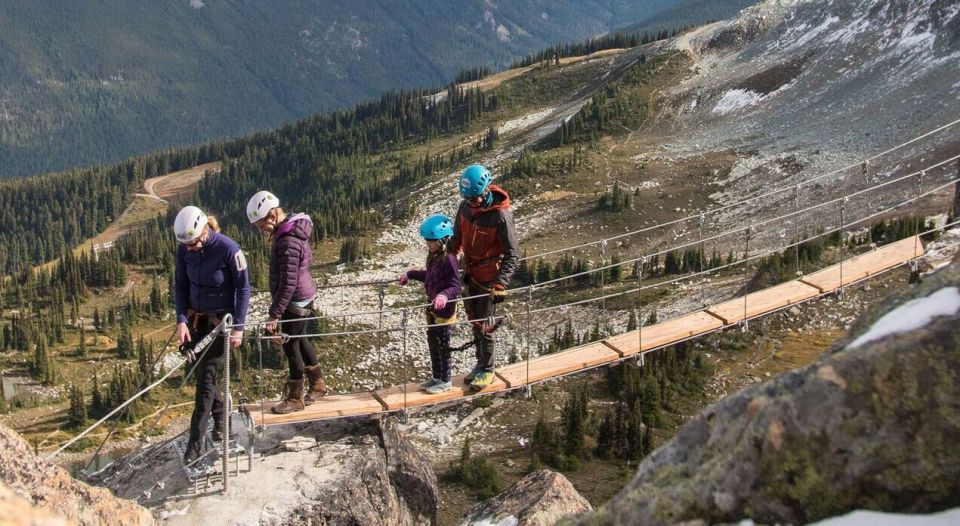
{"x": 189, "y": 224}
{"x": 261, "y": 203}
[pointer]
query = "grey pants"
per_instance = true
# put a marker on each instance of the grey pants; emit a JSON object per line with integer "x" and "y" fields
{"x": 479, "y": 309}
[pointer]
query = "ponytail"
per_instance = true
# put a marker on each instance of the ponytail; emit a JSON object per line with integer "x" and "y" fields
{"x": 213, "y": 224}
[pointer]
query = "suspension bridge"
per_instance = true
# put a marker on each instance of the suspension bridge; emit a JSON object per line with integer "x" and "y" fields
{"x": 876, "y": 195}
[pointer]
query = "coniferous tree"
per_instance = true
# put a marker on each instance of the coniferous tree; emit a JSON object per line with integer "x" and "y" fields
{"x": 647, "y": 444}
{"x": 97, "y": 408}
{"x": 125, "y": 340}
{"x": 82, "y": 343}
{"x": 77, "y": 414}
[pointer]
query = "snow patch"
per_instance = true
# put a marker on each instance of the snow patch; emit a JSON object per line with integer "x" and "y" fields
{"x": 503, "y": 33}
{"x": 873, "y": 518}
{"x": 196, "y": 4}
{"x": 506, "y": 521}
{"x": 912, "y": 315}
{"x": 736, "y": 99}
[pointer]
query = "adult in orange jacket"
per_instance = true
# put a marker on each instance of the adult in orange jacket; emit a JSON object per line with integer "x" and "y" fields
{"x": 485, "y": 234}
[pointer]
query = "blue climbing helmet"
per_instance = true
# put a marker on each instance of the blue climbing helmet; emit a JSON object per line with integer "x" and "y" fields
{"x": 436, "y": 227}
{"x": 474, "y": 181}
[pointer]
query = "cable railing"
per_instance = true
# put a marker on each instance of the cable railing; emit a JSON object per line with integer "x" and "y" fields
{"x": 662, "y": 252}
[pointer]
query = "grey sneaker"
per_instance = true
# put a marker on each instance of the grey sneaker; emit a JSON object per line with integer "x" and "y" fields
{"x": 429, "y": 383}
{"x": 439, "y": 387}
{"x": 477, "y": 369}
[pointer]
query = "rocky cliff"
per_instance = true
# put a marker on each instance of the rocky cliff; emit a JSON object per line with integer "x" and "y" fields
{"x": 35, "y": 492}
{"x": 872, "y": 424}
{"x": 337, "y": 472}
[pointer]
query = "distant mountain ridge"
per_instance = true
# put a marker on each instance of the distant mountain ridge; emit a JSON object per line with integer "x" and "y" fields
{"x": 94, "y": 82}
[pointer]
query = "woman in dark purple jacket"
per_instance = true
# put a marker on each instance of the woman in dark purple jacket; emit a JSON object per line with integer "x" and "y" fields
{"x": 441, "y": 278}
{"x": 292, "y": 291}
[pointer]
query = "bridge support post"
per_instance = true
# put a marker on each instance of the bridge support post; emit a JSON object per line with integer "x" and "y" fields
{"x": 956, "y": 195}
{"x": 381, "y": 295}
{"x": 226, "y": 328}
{"x": 746, "y": 279}
{"x": 529, "y": 392}
{"x": 843, "y": 244}
{"x": 640, "y": 263}
{"x": 603, "y": 303}
{"x": 915, "y": 264}
{"x": 796, "y": 228}
{"x": 403, "y": 326}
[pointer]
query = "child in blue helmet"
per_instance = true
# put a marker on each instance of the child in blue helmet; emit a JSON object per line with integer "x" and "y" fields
{"x": 441, "y": 278}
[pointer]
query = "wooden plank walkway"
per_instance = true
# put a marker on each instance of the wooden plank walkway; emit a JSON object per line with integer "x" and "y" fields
{"x": 664, "y": 333}
{"x": 767, "y": 300}
{"x": 865, "y": 265}
{"x": 392, "y": 397}
{"x": 332, "y": 406}
{"x": 613, "y": 348}
{"x": 557, "y": 364}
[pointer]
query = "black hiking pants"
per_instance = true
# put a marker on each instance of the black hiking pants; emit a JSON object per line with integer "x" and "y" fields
{"x": 438, "y": 340}
{"x": 299, "y": 351}
{"x": 207, "y": 399}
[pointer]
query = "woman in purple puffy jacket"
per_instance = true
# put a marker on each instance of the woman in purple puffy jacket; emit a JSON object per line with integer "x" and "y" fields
{"x": 441, "y": 278}
{"x": 292, "y": 292}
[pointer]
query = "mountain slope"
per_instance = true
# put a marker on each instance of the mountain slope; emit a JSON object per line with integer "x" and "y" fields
{"x": 88, "y": 83}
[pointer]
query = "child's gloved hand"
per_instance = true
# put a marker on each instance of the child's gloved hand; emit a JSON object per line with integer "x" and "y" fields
{"x": 439, "y": 302}
{"x": 403, "y": 279}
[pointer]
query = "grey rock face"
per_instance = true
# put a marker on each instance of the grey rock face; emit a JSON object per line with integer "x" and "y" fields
{"x": 35, "y": 492}
{"x": 871, "y": 426}
{"x": 354, "y": 473}
{"x": 539, "y": 499}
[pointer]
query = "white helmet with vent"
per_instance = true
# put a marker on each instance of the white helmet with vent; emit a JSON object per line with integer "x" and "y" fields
{"x": 189, "y": 224}
{"x": 261, "y": 203}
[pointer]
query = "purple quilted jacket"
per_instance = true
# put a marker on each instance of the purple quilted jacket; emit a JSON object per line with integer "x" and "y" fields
{"x": 290, "y": 259}
{"x": 442, "y": 276}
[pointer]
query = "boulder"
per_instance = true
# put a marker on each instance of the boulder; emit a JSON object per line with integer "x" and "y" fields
{"x": 33, "y": 491}
{"x": 873, "y": 424}
{"x": 539, "y": 499}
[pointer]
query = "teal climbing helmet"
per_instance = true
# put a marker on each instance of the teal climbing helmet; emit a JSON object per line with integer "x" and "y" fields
{"x": 436, "y": 227}
{"x": 474, "y": 181}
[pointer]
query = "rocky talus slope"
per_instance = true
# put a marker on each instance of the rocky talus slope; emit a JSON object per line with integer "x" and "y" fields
{"x": 871, "y": 425}
{"x": 35, "y": 492}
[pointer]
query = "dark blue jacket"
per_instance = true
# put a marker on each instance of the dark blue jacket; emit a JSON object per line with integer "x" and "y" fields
{"x": 213, "y": 279}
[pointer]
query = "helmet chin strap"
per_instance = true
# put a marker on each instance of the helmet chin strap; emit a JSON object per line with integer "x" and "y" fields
{"x": 487, "y": 201}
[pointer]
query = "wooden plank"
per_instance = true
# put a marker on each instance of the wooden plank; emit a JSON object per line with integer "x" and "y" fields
{"x": 556, "y": 364}
{"x": 665, "y": 332}
{"x": 613, "y": 348}
{"x": 392, "y": 397}
{"x": 764, "y": 301}
{"x": 865, "y": 265}
{"x": 352, "y": 404}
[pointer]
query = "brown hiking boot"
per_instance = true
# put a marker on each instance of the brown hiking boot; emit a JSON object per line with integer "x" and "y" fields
{"x": 318, "y": 387}
{"x": 294, "y": 399}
